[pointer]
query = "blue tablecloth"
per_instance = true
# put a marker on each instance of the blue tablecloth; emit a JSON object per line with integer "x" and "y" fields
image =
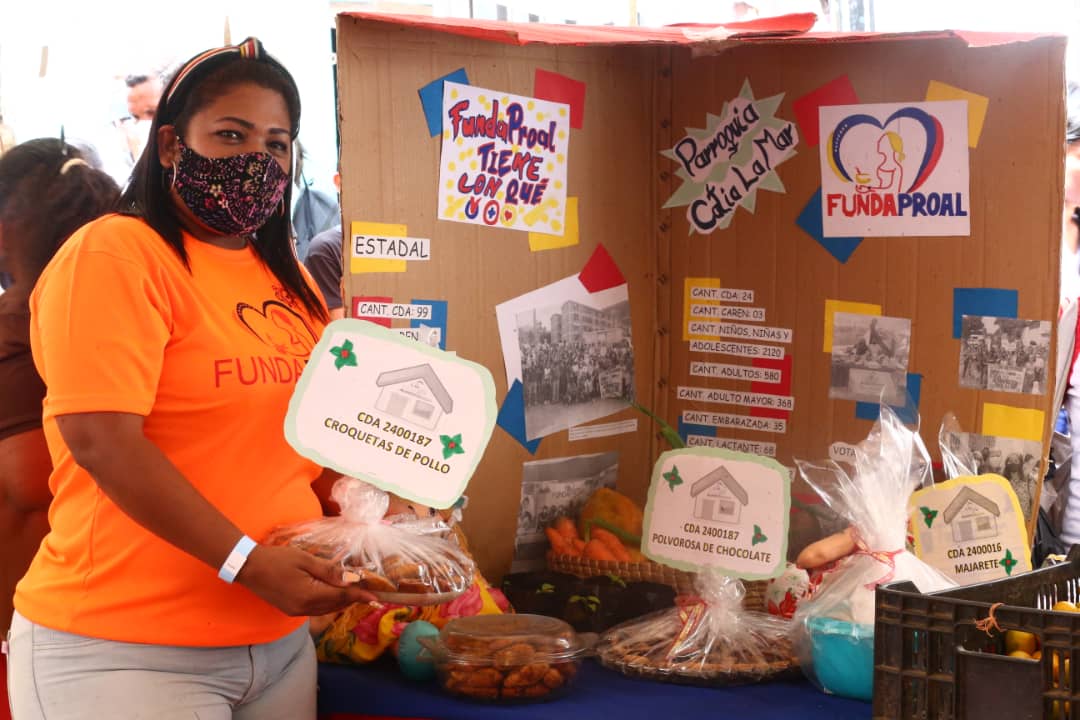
{"x": 600, "y": 694}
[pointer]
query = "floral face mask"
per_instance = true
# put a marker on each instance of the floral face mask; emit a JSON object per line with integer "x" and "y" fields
{"x": 233, "y": 195}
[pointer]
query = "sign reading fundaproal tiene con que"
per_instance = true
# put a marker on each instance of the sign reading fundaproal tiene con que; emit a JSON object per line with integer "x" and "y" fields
{"x": 719, "y": 509}
{"x": 410, "y": 419}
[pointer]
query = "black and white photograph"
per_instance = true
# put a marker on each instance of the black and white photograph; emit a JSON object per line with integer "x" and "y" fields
{"x": 553, "y": 488}
{"x": 1004, "y": 354}
{"x": 870, "y": 358}
{"x": 1016, "y": 460}
{"x": 577, "y": 363}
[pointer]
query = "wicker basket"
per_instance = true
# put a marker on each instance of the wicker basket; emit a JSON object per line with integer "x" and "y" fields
{"x": 683, "y": 582}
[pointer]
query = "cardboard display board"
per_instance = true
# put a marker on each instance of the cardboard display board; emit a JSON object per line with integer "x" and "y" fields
{"x": 640, "y": 100}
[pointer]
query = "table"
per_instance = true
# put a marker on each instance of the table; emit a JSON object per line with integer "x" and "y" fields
{"x": 380, "y": 690}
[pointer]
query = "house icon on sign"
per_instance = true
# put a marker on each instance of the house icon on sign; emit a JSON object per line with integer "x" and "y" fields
{"x": 972, "y": 516}
{"x": 415, "y": 395}
{"x": 718, "y": 497}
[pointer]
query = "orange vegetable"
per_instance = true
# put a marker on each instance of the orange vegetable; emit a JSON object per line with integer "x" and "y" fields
{"x": 579, "y": 546}
{"x": 636, "y": 555}
{"x": 596, "y": 550}
{"x": 612, "y": 543}
{"x": 566, "y": 527}
{"x": 559, "y": 544}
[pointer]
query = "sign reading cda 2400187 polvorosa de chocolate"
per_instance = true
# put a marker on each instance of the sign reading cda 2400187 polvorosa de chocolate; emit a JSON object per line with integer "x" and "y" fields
{"x": 715, "y": 508}
{"x": 408, "y": 418}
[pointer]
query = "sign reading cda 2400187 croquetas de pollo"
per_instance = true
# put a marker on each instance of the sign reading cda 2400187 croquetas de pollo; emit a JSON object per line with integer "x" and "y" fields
{"x": 895, "y": 169}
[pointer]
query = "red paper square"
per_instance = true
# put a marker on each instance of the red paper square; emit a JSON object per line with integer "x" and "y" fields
{"x": 601, "y": 272}
{"x": 836, "y": 92}
{"x": 385, "y": 322}
{"x": 559, "y": 88}
{"x": 781, "y": 388}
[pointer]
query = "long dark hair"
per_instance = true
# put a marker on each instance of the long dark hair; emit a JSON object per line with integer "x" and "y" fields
{"x": 47, "y": 192}
{"x": 195, "y": 85}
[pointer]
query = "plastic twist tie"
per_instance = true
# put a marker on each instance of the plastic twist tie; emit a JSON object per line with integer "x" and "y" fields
{"x": 989, "y": 623}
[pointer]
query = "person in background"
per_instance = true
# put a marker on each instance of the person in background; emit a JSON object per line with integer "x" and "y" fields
{"x": 1070, "y": 216}
{"x": 47, "y": 191}
{"x": 130, "y": 131}
{"x": 151, "y": 596}
{"x": 325, "y": 263}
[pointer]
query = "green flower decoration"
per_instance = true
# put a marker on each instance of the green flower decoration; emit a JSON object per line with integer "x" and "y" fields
{"x": 1008, "y": 562}
{"x": 451, "y": 446}
{"x": 759, "y": 537}
{"x": 673, "y": 478}
{"x": 344, "y": 355}
{"x": 545, "y": 589}
{"x": 928, "y": 515}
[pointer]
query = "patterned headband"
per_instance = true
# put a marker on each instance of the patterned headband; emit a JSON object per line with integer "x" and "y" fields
{"x": 203, "y": 63}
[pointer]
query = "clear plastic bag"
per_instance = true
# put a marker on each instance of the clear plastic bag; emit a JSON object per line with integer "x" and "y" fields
{"x": 835, "y": 628}
{"x": 705, "y": 640}
{"x": 400, "y": 560}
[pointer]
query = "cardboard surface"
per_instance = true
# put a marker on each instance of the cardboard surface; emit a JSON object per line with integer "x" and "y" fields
{"x": 641, "y": 97}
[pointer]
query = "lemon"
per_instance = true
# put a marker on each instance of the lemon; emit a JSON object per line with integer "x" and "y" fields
{"x": 1065, "y": 606}
{"x": 1037, "y": 655}
{"x": 1019, "y": 654}
{"x": 1019, "y": 640}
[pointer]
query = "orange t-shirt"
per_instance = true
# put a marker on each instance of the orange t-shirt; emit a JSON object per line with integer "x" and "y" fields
{"x": 209, "y": 357}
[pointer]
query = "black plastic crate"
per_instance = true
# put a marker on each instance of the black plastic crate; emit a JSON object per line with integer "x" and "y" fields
{"x": 931, "y": 662}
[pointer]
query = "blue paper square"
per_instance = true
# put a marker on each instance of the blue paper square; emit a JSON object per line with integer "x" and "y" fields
{"x": 992, "y": 302}
{"x": 908, "y": 414}
{"x": 512, "y": 417}
{"x": 686, "y": 429}
{"x": 811, "y": 223}
{"x": 431, "y": 98}
{"x": 438, "y": 318}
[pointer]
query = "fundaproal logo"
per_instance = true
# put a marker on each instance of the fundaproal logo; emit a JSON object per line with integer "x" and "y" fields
{"x": 895, "y": 169}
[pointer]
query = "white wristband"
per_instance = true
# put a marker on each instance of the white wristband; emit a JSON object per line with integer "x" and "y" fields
{"x": 239, "y": 555}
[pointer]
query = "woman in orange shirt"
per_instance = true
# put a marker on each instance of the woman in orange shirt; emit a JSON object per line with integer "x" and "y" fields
{"x": 170, "y": 339}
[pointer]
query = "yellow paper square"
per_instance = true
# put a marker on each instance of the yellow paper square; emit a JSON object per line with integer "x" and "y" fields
{"x": 376, "y": 265}
{"x": 543, "y": 241}
{"x": 977, "y": 106}
{"x": 834, "y": 306}
{"x": 692, "y": 282}
{"x": 1012, "y": 422}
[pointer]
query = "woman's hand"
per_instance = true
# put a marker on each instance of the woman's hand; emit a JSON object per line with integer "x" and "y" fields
{"x": 298, "y": 583}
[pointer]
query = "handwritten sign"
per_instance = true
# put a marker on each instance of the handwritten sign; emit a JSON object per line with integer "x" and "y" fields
{"x": 714, "y": 508}
{"x": 971, "y": 529}
{"x": 895, "y": 169}
{"x": 504, "y": 160}
{"x": 724, "y": 164}
{"x": 408, "y": 418}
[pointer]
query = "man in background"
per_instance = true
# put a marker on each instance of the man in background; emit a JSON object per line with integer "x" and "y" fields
{"x": 143, "y": 93}
{"x": 324, "y": 262}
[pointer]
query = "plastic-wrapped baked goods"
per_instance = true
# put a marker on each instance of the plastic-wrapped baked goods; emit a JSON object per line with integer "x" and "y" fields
{"x": 704, "y": 640}
{"x": 507, "y": 658}
{"x": 397, "y": 562}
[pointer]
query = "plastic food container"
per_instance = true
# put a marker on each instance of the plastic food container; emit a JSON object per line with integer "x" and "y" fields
{"x": 507, "y": 658}
{"x": 843, "y": 654}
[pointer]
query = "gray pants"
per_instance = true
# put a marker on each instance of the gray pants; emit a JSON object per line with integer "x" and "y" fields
{"x": 54, "y": 675}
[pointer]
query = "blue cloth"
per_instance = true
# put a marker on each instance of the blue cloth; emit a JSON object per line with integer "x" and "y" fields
{"x": 600, "y": 694}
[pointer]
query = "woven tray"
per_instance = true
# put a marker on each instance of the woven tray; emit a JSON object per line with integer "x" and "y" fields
{"x": 683, "y": 582}
{"x": 743, "y": 674}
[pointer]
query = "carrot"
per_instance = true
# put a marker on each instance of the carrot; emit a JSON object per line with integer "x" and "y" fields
{"x": 612, "y": 543}
{"x": 596, "y": 550}
{"x": 559, "y": 544}
{"x": 636, "y": 556}
{"x": 579, "y": 546}
{"x": 565, "y": 527}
